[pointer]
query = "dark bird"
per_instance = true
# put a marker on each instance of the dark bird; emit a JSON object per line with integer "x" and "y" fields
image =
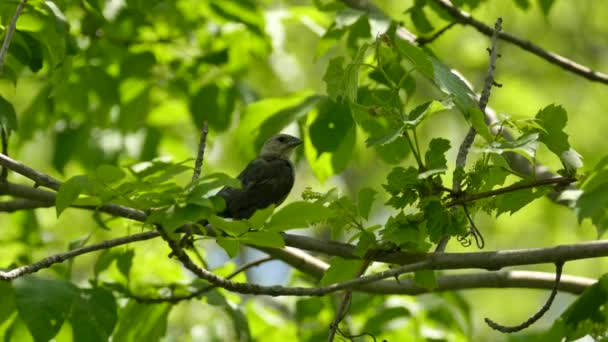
{"x": 266, "y": 180}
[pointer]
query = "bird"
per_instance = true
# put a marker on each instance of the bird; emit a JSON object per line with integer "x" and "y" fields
{"x": 266, "y": 180}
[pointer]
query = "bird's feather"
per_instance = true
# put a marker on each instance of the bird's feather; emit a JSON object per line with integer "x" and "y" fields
{"x": 266, "y": 180}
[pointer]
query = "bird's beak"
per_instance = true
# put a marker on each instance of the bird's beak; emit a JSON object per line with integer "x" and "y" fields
{"x": 295, "y": 142}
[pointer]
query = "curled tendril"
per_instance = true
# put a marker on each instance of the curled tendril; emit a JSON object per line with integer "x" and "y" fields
{"x": 473, "y": 233}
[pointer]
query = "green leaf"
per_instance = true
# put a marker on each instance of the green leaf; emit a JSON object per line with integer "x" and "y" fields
{"x": 297, "y": 215}
{"x": 334, "y": 78}
{"x": 263, "y": 239}
{"x": 365, "y": 200}
{"x": 332, "y": 139}
{"x": 94, "y": 315}
{"x": 109, "y": 174}
{"x": 592, "y": 203}
{"x": 545, "y": 6}
{"x": 522, "y": 4}
{"x": 176, "y": 216}
{"x": 244, "y": 12}
{"x": 230, "y": 245}
{"x": 400, "y": 185}
{"x": 259, "y": 218}
{"x": 586, "y": 316}
{"x": 438, "y": 220}
{"x": 435, "y": 156}
{"x": 215, "y": 104}
{"x": 425, "y": 279}
{"x": 417, "y": 56}
{"x": 386, "y": 137}
{"x": 7, "y": 298}
{"x": 286, "y": 116}
{"x": 423, "y": 111}
{"x": 478, "y": 122}
{"x": 8, "y": 117}
{"x": 43, "y": 304}
{"x": 422, "y": 24}
{"x": 453, "y": 85}
{"x": 407, "y": 232}
{"x": 70, "y": 190}
{"x": 124, "y": 261}
{"x": 209, "y": 183}
{"x": 232, "y": 228}
{"x": 553, "y": 120}
{"x": 340, "y": 270}
{"x": 142, "y": 322}
{"x": 105, "y": 259}
{"x": 513, "y": 201}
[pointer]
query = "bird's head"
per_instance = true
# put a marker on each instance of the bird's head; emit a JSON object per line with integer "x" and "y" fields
{"x": 280, "y": 144}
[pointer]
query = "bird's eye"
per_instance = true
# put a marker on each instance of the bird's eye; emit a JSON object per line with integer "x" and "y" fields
{"x": 282, "y": 139}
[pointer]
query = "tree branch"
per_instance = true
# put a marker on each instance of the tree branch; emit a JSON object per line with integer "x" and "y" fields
{"x": 57, "y": 258}
{"x": 551, "y": 57}
{"x": 536, "y": 316}
{"x": 198, "y": 165}
{"x": 511, "y": 188}
{"x": 10, "y": 30}
{"x": 174, "y": 299}
{"x": 40, "y": 179}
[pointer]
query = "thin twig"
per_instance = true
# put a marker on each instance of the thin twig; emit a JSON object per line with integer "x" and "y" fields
{"x": 526, "y": 45}
{"x": 511, "y": 329}
{"x": 463, "y": 151}
{"x": 511, "y": 188}
{"x": 467, "y": 142}
{"x": 61, "y": 257}
{"x": 174, "y": 299}
{"x": 10, "y": 30}
{"x": 41, "y": 179}
{"x": 346, "y": 299}
{"x": 4, "y": 142}
{"x": 426, "y": 40}
{"x": 198, "y": 165}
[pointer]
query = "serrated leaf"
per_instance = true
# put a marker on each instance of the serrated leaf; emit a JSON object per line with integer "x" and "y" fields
{"x": 553, "y": 120}
{"x": 263, "y": 239}
{"x": 297, "y": 215}
{"x": 435, "y": 156}
{"x": 513, "y": 201}
{"x": 340, "y": 270}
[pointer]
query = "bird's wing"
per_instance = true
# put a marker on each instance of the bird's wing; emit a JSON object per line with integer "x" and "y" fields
{"x": 266, "y": 180}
